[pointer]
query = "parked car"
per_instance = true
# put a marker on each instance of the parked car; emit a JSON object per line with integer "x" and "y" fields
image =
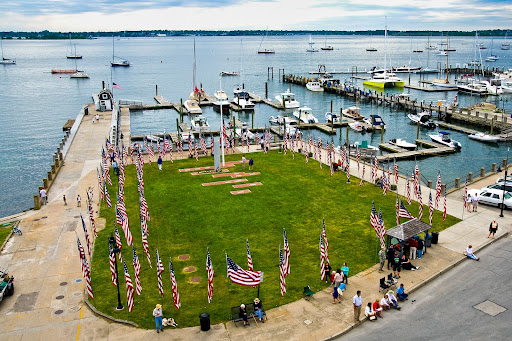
{"x": 509, "y": 179}
{"x": 494, "y": 197}
{"x": 499, "y": 186}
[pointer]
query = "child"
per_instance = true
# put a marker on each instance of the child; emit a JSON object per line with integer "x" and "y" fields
{"x": 335, "y": 296}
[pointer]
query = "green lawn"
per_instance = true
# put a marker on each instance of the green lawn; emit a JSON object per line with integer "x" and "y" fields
{"x": 5, "y": 229}
{"x": 186, "y": 218}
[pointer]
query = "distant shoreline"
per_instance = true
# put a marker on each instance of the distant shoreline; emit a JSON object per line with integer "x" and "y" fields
{"x": 46, "y": 35}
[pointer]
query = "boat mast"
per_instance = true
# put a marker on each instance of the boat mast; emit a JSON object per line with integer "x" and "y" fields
{"x": 2, "y": 46}
{"x": 112, "y": 48}
{"x": 447, "y": 48}
{"x": 194, "y": 69}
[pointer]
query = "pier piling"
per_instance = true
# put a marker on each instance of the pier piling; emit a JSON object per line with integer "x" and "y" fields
{"x": 457, "y": 182}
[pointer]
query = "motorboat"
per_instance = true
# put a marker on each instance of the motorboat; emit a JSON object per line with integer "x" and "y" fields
{"x": 371, "y": 49}
{"x": 444, "y": 83}
{"x": 305, "y": 115}
{"x": 314, "y": 86}
{"x": 243, "y": 100}
{"x": 79, "y": 75}
{"x": 282, "y": 120}
{"x": 484, "y": 137}
{"x": 442, "y": 53}
{"x": 406, "y": 69}
{"x": 352, "y": 113}
{"x": 492, "y": 89}
{"x": 333, "y": 117}
{"x": 375, "y": 70}
{"x": 327, "y": 48}
{"x": 473, "y": 87}
{"x": 187, "y": 137}
{"x": 402, "y": 144}
{"x": 443, "y": 137}
{"x": 287, "y": 100}
{"x": 507, "y": 87}
{"x": 199, "y": 123}
{"x": 221, "y": 102}
{"x": 229, "y": 73}
{"x": 357, "y": 126}
{"x": 192, "y": 106}
{"x": 374, "y": 122}
{"x": 423, "y": 118}
{"x": 153, "y": 138}
{"x": 244, "y": 132}
{"x": 363, "y": 145}
{"x": 492, "y": 58}
{"x": 384, "y": 80}
{"x": 292, "y": 130}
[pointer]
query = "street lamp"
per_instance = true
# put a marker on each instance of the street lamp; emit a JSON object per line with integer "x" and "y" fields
{"x": 504, "y": 185}
{"x": 116, "y": 250}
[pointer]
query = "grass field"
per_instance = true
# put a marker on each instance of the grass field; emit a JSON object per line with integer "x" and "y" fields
{"x": 5, "y": 230}
{"x": 186, "y": 218}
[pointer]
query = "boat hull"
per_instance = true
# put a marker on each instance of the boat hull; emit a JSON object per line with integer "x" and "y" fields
{"x": 384, "y": 84}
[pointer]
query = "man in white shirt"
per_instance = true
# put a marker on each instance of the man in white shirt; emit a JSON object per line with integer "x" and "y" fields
{"x": 42, "y": 194}
{"x": 384, "y": 303}
{"x": 157, "y": 313}
{"x": 470, "y": 254}
{"x": 357, "y": 302}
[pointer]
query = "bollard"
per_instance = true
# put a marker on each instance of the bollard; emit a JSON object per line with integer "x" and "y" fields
{"x": 470, "y": 177}
{"x": 429, "y": 184}
{"x": 58, "y": 150}
{"x": 482, "y": 172}
{"x": 45, "y": 183}
{"x": 457, "y": 182}
{"x": 53, "y": 168}
{"x": 443, "y": 188}
{"x": 37, "y": 202}
{"x": 493, "y": 168}
{"x": 56, "y": 161}
{"x": 60, "y": 156}
{"x": 49, "y": 175}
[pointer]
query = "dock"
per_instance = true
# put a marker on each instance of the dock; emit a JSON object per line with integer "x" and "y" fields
{"x": 397, "y": 153}
{"x": 392, "y": 148}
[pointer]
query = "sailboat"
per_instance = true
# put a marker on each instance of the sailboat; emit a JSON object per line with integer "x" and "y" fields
{"x": 72, "y": 55}
{"x": 428, "y": 69}
{"x": 119, "y": 61}
{"x": 242, "y": 98}
{"x": 4, "y": 60}
{"x": 192, "y": 104}
{"x": 311, "y": 48}
{"x": 265, "y": 51}
{"x": 327, "y": 47}
{"x": 505, "y": 45}
{"x": 78, "y": 74}
{"x": 221, "y": 104}
{"x": 492, "y": 57}
{"x": 384, "y": 79}
{"x": 445, "y": 83}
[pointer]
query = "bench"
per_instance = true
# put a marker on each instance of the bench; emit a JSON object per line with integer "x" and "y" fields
{"x": 249, "y": 308}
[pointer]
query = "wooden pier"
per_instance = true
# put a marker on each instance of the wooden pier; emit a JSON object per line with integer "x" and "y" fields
{"x": 397, "y": 153}
{"x": 392, "y": 148}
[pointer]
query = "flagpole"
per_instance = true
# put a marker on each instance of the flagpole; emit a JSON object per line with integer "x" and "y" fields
{"x": 113, "y": 244}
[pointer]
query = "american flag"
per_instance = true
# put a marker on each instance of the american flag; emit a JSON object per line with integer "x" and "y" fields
{"x": 158, "y": 148}
{"x": 374, "y": 220}
{"x": 151, "y": 152}
{"x": 87, "y": 239}
{"x": 330, "y": 161}
{"x": 403, "y": 212}
{"x": 112, "y": 260}
{"x": 348, "y": 170}
{"x": 144, "y": 210}
{"x": 372, "y": 173}
{"x": 309, "y": 144}
{"x": 91, "y": 215}
{"x": 382, "y": 230}
{"x": 125, "y": 156}
{"x": 397, "y": 211}
{"x": 384, "y": 182}
{"x": 110, "y": 147}
{"x": 408, "y": 192}
{"x": 129, "y": 288}
{"x": 320, "y": 151}
{"x": 146, "y": 246}
{"x": 232, "y": 141}
{"x": 444, "y": 210}
{"x": 257, "y": 139}
{"x": 170, "y": 152}
{"x": 285, "y": 141}
{"x": 132, "y": 149}
{"x": 122, "y": 218}
{"x": 282, "y": 271}
{"x": 322, "y": 258}
{"x": 209, "y": 270}
{"x": 293, "y": 148}
{"x": 249, "y": 258}
{"x": 240, "y": 276}
{"x": 430, "y": 208}
{"x": 106, "y": 169}
{"x": 136, "y": 267}
{"x": 362, "y": 176}
{"x": 390, "y": 175}
{"x": 286, "y": 253}
{"x": 175, "y": 294}
{"x": 416, "y": 180}
{"x": 180, "y": 147}
{"x": 343, "y": 158}
{"x": 159, "y": 272}
{"x": 438, "y": 187}
{"x": 146, "y": 148}
{"x": 395, "y": 167}
{"x": 86, "y": 270}
{"x": 202, "y": 141}
{"x": 121, "y": 172}
{"x": 358, "y": 157}
{"x": 100, "y": 184}
{"x": 166, "y": 146}
{"x": 196, "y": 154}
{"x": 326, "y": 243}
{"x": 118, "y": 241}
{"x": 420, "y": 213}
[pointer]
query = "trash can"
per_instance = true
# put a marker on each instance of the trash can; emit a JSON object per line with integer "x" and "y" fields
{"x": 435, "y": 237}
{"x": 204, "y": 320}
{"x": 86, "y": 111}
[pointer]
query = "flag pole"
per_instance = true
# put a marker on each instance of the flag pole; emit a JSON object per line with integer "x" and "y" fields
{"x": 112, "y": 242}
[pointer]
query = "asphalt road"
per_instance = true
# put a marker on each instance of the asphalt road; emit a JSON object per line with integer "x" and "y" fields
{"x": 445, "y": 308}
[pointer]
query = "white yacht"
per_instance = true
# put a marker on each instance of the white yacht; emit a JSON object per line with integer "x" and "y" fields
{"x": 192, "y": 106}
{"x": 222, "y": 101}
{"x": 443, "y": 137}
{"x": 243, "y": 99}
{"x": 305, "y": 115}
{"x": 473, "y": 87}
{"x": 423, "y": 118}
{"x": 287, "y": 100}
{"x": 282, "y": 120}
{"x": 314, "y": 86}
{"x": 402, "y": 144}
{"x": 484, "y": 137}
{"x": 374, "y": 122}
{"x": 353, "y": 113}
{"x": 492, "y": 89}
{"x": 199, "y": 123}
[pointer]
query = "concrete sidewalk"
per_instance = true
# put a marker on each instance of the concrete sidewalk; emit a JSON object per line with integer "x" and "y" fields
{"x": 49, "y": 303}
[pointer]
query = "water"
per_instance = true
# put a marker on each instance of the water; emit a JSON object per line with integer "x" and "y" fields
{"x": 36, "y": 104}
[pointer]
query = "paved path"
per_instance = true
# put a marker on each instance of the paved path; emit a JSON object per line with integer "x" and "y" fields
{"x": 45, "y": 264}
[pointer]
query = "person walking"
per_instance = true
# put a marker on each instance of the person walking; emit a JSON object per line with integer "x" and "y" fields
{"x": 357, "y": 302}
{"x": 391, "y": 255}
{"x": 159, "y": 163}
{"x": 413, "y": 248}
{"x": 42, "y": 194}
{"x": 382, "y": 258}
{"x": 476, "y": 197}
{"x": 335, "y": 295}
{"x": 243, "y": 161}
{"x": 345, "y": 270}
{"x": 251, "y": 163}
{"x": 64, "y": 198}
{"x": 157, "y": 313}
{"x": 469, "y": 202}
{"x": 493, "y": 228}
{"x": 78, "y": 201}
{"x": 396, "y": 265}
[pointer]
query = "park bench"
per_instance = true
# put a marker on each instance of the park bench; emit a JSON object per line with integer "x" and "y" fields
{"x": 249, "y": 308}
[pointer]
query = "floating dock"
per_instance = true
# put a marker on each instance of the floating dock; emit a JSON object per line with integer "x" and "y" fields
{"x": 397, "y": 153}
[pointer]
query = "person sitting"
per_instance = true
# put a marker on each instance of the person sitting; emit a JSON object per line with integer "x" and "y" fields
{"x": 384, "y": 303}
{"x": 243, "y": 314}
{"x": 377, "y": 308}
{"x": 470, "y": 254}
{"x": 407, "y": 265}
{"x": 258, "y": 309}
{"x": 369, "y": 313}
{"x": 393, "y": 302}
{"x": 400, "y": 292}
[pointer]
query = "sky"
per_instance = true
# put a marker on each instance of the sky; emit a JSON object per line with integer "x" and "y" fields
{"x": 117, "y": 15}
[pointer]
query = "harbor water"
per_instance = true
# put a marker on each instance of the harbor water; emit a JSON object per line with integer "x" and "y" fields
{"x": 36, "y": 103}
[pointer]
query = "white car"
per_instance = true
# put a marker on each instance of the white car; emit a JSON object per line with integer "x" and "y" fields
{"x": 509, "y": 179}
{"x": 494, "y": 197}
{"x": 499, "y": 186}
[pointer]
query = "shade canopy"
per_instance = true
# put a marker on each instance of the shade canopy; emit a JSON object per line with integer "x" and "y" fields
{"x": 408, "y": 229}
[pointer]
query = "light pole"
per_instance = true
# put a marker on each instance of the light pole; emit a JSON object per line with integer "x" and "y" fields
{"x": 504, "y": 185}
{"x": 116, "y": 250}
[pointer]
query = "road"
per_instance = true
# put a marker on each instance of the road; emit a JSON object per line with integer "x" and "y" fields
{"x": 445, "y": 308}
